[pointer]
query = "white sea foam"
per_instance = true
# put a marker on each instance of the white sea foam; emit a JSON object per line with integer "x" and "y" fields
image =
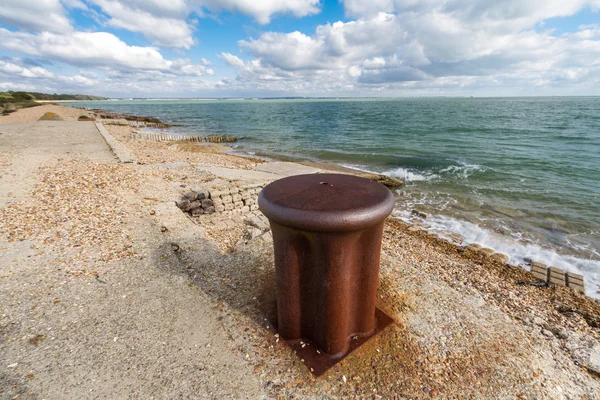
{"x": 358, "y": 168}
{"x": 463, "y": 170}
{"x": 515, "y": 249}
{"x": 408, "y": 175}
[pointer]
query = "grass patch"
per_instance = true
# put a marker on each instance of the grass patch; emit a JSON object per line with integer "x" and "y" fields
{"x": 9, "y": 105}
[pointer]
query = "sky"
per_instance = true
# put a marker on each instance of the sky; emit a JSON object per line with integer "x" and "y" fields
{"x": 272, "y": 48}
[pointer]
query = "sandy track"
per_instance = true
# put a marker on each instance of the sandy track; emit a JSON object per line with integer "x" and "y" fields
{"x": 34, "y": 113}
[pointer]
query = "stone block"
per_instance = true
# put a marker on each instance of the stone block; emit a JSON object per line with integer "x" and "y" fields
{"x": 196, "y": 212}
{"x": 219, "y": 208}
{"x": 575, "y": 281}
{"x": 217, "y": 201}
{"x": 215, "y": 193}
{"x": 557, "y": 276}
{"x": 194, "y": 205}
{"x": 234, "y": 190}
{"x": 206, "y": 203}
{"x": 183, "y": 204}
{"x": 249, "y": 202}
{"x": 227, "y": 199}
{"x": 228, "y": 206}
{"x": 202, "y": 194}
{"x": 245, "y": 209}
{"x": 209, "y": 210}
{"x": 191, "y": 196}
{"x": 238, "y": 204}
{"x": 539, "y": 271}
{"x": 236, "y": 197}
{"x": 254, "y": 207}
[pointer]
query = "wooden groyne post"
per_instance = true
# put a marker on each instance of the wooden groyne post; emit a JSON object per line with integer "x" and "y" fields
{"x": 162, "y": 137}
{"x": 557, "y": 276}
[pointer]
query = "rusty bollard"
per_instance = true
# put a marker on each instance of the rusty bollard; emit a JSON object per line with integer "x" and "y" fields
{"x": 327, "y": 231}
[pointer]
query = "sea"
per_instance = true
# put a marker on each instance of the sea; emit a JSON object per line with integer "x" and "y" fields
{"x": 519, "y": 175}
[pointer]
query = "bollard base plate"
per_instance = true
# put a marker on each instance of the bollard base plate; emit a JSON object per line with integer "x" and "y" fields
{"x": 318, "y": 362}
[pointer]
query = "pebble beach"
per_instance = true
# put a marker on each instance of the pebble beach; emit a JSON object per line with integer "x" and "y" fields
{"x": 108, "y": 289}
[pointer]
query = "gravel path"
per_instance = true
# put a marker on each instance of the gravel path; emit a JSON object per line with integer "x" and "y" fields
{"x": 90, "y": 306}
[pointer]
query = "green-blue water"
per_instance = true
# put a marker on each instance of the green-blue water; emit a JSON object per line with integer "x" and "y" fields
{"x": 521, "y": 175}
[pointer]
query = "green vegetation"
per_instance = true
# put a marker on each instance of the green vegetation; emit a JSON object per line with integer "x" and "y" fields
{"x": 11, "y": 101}
{"x": 22, "y": 96}
{"x": 82, "y": 97}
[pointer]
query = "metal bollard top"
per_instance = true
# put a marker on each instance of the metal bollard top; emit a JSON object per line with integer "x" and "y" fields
{"x": 326, "y": 202}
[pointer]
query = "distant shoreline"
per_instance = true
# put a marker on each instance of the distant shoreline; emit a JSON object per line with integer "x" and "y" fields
{"x": 63, "y": 101}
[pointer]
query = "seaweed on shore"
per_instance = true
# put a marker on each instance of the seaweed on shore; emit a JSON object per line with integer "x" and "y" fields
{"x": 103, "y": 114}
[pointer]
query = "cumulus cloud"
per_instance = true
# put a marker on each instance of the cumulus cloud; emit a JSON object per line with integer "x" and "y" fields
{"x": 31, "y": 78}
{"x": 35, "y": 15}
{"x": 387, "y": 47}
{"x": 431, "y": 43}
{"x": 83, "y": 49}
{"x": 12, "y": 85}
{"x": 337, "y": 45}
{"x": 503, "y": 15}
{"x": 232, "y": 60}
{"x": 108, "y": 65}
{"x": 185, "y": 67}
{"x": 262, "y": 10}
{"x": 164, "y": 23}
{"x": 15, "y": 74}
{"x": 74, "y": 4}
{"x": 92, "y": 50}
{"x": 170, "y": 23}
{"x": 15, "y": 69}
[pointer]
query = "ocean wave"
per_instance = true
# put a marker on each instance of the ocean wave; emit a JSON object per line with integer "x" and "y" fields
{"x": 463, "y": 171}
{"x": 517, "y": 250}
{"x": 358, "y": 168}
{"x": 408, "y": 175}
